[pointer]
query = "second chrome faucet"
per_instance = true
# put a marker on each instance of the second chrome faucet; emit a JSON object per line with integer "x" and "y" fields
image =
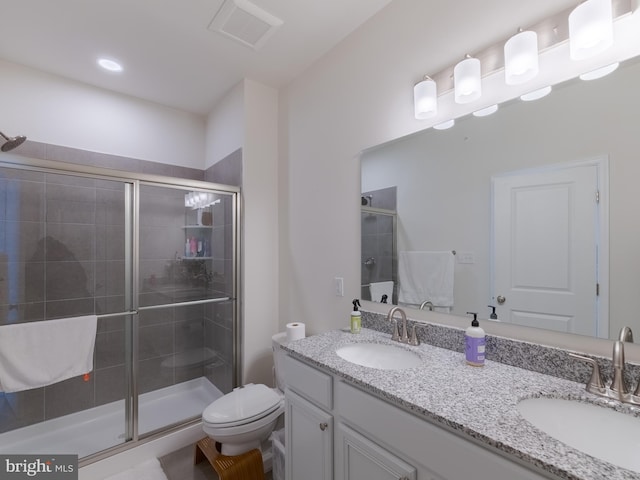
{"x": 618, "y": 389}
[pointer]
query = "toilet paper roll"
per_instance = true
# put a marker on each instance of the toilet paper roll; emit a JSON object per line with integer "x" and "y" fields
{"x": 295, "y": 331}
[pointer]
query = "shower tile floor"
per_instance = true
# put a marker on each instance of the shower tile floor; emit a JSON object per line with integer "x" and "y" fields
{"x": 179, "y": 465}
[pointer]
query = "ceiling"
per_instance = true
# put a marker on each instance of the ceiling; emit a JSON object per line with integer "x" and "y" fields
{"x": 169, "y": 54}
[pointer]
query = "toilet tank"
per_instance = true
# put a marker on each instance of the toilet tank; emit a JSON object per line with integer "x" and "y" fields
{"x": 277, "y": 340}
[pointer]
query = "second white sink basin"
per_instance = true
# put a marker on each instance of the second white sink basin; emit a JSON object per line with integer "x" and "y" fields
{"x": 598, "y": 431}
{"x": 379, "y": 355}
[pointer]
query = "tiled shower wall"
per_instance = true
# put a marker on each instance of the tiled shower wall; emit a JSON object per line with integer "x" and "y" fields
{"x": 79, "y": 266}
{"x": 377, "y": 237}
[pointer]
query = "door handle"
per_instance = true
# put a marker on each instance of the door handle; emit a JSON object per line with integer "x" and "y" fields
{"x": 500, "y": 299}
{"x": 323, "y": 426}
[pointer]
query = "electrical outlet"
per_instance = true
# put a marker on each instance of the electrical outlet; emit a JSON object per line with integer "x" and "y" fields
{"x": 339, "y": 286}
{"x": 466, "y": 257}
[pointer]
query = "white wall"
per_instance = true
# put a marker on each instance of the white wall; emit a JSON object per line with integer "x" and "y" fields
{"x": 360, "y": 95}
{"x": 50, "y": 109}
{"x": 247, "y": 118}
{"x": 226, "y": 126}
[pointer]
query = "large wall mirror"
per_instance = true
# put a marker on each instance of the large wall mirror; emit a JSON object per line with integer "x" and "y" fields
{"x": 440, "y": 191}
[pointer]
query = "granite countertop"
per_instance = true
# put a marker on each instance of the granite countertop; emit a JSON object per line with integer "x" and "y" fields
{"x": 476, "y": 402}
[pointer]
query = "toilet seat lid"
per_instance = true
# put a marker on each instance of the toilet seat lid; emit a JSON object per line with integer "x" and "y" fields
{"x": 242, "y": 405}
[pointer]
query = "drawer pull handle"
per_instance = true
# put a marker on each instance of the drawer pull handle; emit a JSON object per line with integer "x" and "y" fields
{"x": 323, "y": 426}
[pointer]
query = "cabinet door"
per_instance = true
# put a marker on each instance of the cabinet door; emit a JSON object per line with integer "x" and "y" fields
{"x": 308, "y": 440}
{"x": 358, "y": 458}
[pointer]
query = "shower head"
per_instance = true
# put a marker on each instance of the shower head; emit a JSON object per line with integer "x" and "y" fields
{"x": 12, "y": 142}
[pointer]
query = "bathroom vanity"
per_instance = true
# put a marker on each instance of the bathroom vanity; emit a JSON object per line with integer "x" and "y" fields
{"x": 441, "y": 420}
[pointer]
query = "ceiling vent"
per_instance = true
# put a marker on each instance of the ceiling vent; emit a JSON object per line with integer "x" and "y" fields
{"x": 244, "y": 22}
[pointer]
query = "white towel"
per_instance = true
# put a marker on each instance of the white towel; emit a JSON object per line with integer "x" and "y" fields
{"x": 378, "y": 289}
{"x": 426, "y": 276}
{"x": 36, "y": 354}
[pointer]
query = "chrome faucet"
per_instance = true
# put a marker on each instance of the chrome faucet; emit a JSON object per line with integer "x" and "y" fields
{"x": 427, "y": 304}
{"x": 404, "y": 338}
{"x": 618, "y": 389}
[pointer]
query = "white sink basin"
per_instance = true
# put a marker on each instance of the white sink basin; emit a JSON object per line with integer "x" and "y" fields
{"x": 599, "y": 431}
{"x": 379, "y": 355}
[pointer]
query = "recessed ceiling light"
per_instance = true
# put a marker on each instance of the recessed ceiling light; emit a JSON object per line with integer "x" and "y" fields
{"x": 599, "y": 72}
{"x": 536, "y": 94}
{"x": 110, "y": 65}
{"x": 486, "y": 111}
{"x": 445, "y": 125}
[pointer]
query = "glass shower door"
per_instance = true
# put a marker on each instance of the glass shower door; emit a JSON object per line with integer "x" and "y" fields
{"x": 186, "y": 291}
{"x": 64, "y": 253}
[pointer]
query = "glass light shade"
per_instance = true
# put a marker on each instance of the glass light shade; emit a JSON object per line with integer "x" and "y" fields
{"x": 425, "y": 99}
{"x": 599, "y": 72}
{"x": 536, "y": 94}
{"x": 484, "y": 112}
{"x": 521, "y": 58}
{"x": 467, "y": 80}
{"x": 590, "y": 28}
{"x": 445, "y": 125}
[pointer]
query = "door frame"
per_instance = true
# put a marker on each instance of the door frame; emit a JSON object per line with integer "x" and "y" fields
{"x": 601, "y": 163}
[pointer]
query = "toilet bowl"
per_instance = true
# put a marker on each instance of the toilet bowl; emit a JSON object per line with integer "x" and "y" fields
{"x": 242, "y": 419}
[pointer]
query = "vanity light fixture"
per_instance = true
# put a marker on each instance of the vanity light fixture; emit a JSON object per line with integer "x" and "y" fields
{"x": 484, "y": 112}
{"x": 590, "y": 28}
{"x": 521, "y": 58}
{"x": 110, "y": 65}
{"x": 425, "y": 98}
{"x": 445, "y": 125}
{"x": 536, "y": 94}
{"x": 599, "y": 72}
{"x": 467, "y": 80}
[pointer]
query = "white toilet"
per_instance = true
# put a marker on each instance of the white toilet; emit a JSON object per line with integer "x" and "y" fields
{"x": 243, "y": 418}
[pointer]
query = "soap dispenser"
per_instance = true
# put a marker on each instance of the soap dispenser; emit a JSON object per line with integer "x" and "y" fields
{"x": 356, "y": 317}
{"x": 474, "y": 337}
{"x": 494, "y": 315}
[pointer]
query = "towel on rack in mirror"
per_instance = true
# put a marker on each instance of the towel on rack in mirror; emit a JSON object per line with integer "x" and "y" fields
{"x": 378, "y": 289}
{"x": 37, "y": 354}
{"x": 426, "y": 276}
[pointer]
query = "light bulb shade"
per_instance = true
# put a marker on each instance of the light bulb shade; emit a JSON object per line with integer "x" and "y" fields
{"x": 521, "y": 58}
{"x": 425, "y": 99}
{"x": 600, "y": 72}
{"x": 467, "y": 80}
{"x": 445, "y": 125}
{"x": 590, "y": 28}
{"x": 536, "y": 94}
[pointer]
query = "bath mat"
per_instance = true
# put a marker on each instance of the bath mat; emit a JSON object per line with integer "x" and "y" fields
{"x": 149, "y": 470}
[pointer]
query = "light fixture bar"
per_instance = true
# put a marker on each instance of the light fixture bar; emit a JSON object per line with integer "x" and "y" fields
{"x": 551, "y": 32}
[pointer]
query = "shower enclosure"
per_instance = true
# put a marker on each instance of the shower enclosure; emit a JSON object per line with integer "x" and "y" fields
{"x": 155, "y": 258}
{"x": 378, "y": 246}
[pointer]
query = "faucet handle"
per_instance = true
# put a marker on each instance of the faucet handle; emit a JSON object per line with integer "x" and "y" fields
{"x": 596, "y": 383}
{"x": 396, "y": 333}
{"x": 414, "y": 337}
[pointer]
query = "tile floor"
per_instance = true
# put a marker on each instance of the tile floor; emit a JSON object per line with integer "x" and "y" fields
{"x": 179, "y": 465}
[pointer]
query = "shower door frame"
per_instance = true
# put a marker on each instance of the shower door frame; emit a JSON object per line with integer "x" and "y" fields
{"x": 133, "y": 181}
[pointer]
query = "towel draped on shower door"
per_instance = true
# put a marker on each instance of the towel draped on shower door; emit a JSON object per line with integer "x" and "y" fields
{"x": 37, "y": 354}
{"x": 378, "y": 289}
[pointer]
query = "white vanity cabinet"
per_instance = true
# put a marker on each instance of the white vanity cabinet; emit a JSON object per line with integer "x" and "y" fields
{"x": 358, "y": 458}
{"x": 329, "y": 419}
{"x": 308, "y": 422}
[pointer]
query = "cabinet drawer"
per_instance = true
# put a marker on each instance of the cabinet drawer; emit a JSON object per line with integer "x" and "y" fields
{"x": 309, "y": 382}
